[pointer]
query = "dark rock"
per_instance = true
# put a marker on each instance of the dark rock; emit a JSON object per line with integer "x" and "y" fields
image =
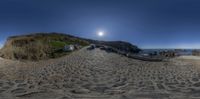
{"x": 91, "y": 47}
{"x": 120, "y": 45}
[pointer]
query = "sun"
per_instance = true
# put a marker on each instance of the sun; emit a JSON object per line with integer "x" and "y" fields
{"x": 100, "y": 33}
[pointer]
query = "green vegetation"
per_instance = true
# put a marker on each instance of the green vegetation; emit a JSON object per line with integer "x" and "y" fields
{"x": 61, "y": 44}
{"x": 58, "y": 44}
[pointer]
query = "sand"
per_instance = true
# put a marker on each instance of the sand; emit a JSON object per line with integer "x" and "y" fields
{"x": 190, "y": 57}
{"x": 96, "y": 74}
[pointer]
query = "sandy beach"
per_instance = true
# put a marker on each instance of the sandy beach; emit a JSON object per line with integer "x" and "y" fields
{"x": 96, "y": 74}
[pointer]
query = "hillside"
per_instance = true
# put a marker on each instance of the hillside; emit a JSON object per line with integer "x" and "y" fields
{"x": 39, "y": 46}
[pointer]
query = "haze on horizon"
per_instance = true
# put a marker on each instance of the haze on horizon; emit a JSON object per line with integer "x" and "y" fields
{"x": 145, "y": 23}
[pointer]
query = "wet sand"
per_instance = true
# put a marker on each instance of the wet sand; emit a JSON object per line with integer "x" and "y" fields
{"x": 97, "y": 74}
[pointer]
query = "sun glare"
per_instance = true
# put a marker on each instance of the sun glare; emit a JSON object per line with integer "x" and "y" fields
{"x": 100, "y": 33}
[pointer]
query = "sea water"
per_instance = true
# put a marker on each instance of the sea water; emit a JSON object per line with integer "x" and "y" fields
{"x": 178, "y": 51}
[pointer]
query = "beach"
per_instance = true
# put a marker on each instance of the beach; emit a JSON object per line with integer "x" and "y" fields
{"x": 95, "y": 74}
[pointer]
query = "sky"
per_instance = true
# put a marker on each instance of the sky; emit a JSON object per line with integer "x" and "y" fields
{"x": 145, "y": 23}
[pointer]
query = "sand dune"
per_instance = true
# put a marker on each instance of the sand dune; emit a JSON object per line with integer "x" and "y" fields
{"x": 95, "y": 74}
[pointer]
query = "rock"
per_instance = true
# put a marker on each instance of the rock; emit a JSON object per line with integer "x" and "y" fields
{"x": 167, "y": 54}
{"x": 121, "y": 46}
{"x": 91, "y": 47}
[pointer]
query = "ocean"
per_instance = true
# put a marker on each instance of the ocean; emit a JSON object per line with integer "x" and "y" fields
{"x": 178, "y": 51}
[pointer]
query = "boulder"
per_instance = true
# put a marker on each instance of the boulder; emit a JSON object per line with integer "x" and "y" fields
{"x": 91, "y": 47}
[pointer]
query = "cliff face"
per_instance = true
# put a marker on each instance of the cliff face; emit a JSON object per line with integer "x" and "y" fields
{"x": 122, "y": 46}
{"x": 49, "y": 45}
{"x": 24, "y": 48}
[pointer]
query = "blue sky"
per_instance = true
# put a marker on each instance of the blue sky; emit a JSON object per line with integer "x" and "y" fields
{"x": 146, "y": 23}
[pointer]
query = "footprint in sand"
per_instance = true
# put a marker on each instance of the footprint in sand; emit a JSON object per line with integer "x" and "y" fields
{"x": 196, "y": 84}
{"x": 18, "y": 91}
{"x": 19, "y": 81}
